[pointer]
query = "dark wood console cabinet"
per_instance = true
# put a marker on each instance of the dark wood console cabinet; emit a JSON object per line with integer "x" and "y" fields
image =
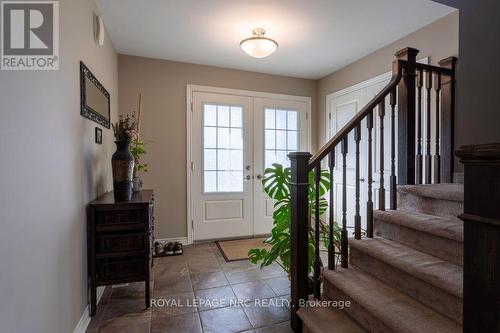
{"x": 120, "y": 242}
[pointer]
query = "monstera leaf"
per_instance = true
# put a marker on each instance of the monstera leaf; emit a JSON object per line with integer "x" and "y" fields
{"x": 276, "y": 184}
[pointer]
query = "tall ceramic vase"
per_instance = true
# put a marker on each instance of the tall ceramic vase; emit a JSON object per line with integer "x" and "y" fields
{"x": 123, "y": 169}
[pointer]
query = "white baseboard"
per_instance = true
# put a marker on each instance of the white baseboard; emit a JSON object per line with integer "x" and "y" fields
{"x": 182, "y": 240}
{"x": 84, "y": 321}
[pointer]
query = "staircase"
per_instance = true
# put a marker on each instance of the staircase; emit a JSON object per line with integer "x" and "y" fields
{"x": 404, "y": 274}
{"x": 408, "y": 278}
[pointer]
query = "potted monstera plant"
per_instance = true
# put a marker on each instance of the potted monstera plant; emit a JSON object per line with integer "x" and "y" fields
{"x": 276, "y": 184}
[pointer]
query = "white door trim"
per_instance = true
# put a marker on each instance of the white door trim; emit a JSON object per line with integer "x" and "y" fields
{"x": 190, "y": 89}
{"x": 348, "y": 90}
{"x": 357, "y": 86}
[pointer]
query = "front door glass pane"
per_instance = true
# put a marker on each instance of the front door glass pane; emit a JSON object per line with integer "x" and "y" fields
{"x": 222, "y": 148}
{"x": 281, "y": 136}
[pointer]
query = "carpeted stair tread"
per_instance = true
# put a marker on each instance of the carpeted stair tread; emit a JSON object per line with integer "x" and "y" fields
{"x": 328, "y": 320}
{"x": 440, "y": 226}
{"x": 394, "y": 309}
{"x": 451, "y": 192}
{"x": 437, "y": 272}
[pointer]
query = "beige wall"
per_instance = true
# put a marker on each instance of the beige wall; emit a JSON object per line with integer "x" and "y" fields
{"x": 436, "y": 41}
{"x": 51, "y": 168}
{"x": 163, "y": 84}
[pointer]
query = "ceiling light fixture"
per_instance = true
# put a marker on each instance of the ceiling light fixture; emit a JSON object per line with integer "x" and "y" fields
{"x": 258, "y": 46}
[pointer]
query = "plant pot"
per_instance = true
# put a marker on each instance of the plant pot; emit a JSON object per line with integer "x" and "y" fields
{"x": 137, "y": 184}
{"x": 123, "y": 169}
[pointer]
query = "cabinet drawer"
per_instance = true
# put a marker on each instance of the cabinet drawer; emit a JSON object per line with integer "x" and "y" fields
{"x": 120, "y": 242}
{"x": 120, "y": 268}
{"x": 116, "y": 217}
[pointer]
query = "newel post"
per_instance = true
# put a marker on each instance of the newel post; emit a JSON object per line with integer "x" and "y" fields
{"x": 481, "y": 237}
{"x": 406, "y": 117}
{"x": 299, "y": 233}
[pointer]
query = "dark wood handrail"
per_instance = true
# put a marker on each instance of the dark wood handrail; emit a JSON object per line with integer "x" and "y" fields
{"x": 397, "y": 66}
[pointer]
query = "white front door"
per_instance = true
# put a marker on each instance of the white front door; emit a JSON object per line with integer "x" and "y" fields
{"x": 222, "y": 155}
{"x": 234, "y": 138}
{"x": 280, "y": 128}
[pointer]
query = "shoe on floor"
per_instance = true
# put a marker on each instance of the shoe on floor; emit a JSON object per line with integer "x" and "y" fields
{"x": 177, "y": 248}
{"x": 169, "y": 248}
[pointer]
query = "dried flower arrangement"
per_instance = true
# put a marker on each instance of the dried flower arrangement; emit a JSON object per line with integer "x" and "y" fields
{"x": 125, "y": 129}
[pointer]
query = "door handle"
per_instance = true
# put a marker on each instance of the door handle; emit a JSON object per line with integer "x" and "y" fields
{"x": 362, "y": 179}
{"x": 248, "y": 177}
{"x": 259, "y": 177}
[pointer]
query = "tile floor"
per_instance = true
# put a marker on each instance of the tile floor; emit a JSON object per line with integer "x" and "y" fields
{"x": 200, "y": 274}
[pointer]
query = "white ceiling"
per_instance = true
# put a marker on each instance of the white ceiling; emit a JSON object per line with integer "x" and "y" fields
{"x": 315, "y": 37}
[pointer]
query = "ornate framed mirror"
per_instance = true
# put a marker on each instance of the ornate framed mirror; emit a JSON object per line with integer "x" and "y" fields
{"x": 95, "y": 102}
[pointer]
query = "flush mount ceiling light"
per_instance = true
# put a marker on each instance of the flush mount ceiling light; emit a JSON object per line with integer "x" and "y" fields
{"x": 258, "y": 46}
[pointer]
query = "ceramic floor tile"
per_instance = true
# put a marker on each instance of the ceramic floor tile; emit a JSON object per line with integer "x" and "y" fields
{"x": 267, "y": 312}
{"x": 132, "y": 323}
{"x": 280, "y": 285}
{"x": 240, "y": 276}
{"x": 203, "y": 265}
{"x": 170, "y": 286}
{"x": 201, "y": 273}
{"x": 186, "y": 323}
{"x": 173, "y": 305}
{"x": 225, "y": 320}
{"x": 130, "y": 290}
{"x": 238, "y": 265}
{"x": 208, "y": 280}
{"x": 125, "y": 307}
{"x": 216, "y": 297}
{"x": 253, "y": 290}
{"x": 277, "y": 328}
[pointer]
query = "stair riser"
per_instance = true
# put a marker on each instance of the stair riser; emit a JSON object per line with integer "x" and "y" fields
{"x": 436, "y": 298}
{"x": 355, "y": 311}
{"x": 443, "y": 248}
{"x": 431, "y": 206}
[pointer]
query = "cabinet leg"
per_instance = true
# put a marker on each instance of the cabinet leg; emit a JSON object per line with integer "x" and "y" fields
{"x": 93, "y": 301}
{"x": 148, "y": 298}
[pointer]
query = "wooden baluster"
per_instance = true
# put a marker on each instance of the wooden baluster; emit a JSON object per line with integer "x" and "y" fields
{"x": 357, "y": 217}
{"x": 428, "y": 86}
{"x": 447, "y": 120}
{"x": 317, "y": 262}
{"x": 381, "y": 190}
{"x": 299, "y": 234}
{"x": 420, "y": 80}
{"x": 393, "y": 189}
{"x": 437, "y": 158}
{"x": 369, "y": 203}
{"x": 331, "y": 247}
{"x": 344, "y": 245}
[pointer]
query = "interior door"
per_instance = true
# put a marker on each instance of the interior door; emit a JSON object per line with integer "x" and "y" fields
{"x": 342, "y": 109}
{"x": 280, "y": 127}
{"x": 222, "y": 155}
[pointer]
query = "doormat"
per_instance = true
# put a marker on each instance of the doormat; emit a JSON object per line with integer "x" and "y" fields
{"x": 233, "y": 250}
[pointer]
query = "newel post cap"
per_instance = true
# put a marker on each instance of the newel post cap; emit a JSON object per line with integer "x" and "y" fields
{"x": 481, "y": 152}
{"x": 406, "y": 53}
